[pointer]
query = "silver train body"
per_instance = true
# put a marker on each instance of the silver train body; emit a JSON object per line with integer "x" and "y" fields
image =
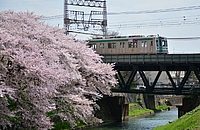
{"x": 137, "y": 44}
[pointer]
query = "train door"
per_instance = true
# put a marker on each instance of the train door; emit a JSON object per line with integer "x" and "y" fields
{"x": 122, "y": 47}
{"x": 143, "y": 46}
{"x": 151, "y": 47}
{"x": 101, "y": 48}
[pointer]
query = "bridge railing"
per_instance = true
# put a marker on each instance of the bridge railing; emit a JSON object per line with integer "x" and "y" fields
{"x": 164, "y": 58}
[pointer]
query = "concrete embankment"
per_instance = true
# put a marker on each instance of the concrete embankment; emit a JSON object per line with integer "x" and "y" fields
{"x": 119, "y": 106}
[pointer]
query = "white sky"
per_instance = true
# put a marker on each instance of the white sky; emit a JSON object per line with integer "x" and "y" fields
{"x": 125, "y": 23}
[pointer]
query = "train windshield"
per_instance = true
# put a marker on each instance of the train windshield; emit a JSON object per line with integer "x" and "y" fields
{"x": 162, "y": 46}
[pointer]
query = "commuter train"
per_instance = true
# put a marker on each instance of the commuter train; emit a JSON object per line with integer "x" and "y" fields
{"x": 136, "y": 44}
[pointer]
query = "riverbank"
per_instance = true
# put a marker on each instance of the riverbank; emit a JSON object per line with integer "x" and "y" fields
{"x": 142, "y": 123}
{"x": 111, "y": 111}
{"x": 136, "y": 111}
{"x": 189, "y": 121}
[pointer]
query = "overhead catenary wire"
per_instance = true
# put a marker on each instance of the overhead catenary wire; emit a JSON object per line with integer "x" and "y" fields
{"x": 156, "y": 24}
{"x": 150, "y": 23}
{"x": 183, "y": 18}
{"x": 161, "y": 22}
{"x": 141, "y": 12}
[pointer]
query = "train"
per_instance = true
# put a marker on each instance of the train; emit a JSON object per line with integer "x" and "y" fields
{"x": 134, "y": 44}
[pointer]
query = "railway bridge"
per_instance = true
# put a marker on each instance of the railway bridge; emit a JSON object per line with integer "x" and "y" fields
{"x": 156, "y": 62}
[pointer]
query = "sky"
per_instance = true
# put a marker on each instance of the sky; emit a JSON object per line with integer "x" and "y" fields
{"x": 171, "y": 23}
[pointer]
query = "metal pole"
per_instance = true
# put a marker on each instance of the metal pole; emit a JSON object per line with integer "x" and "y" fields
{"x": 104, "y": 19}
{"x": 66, "y": 17}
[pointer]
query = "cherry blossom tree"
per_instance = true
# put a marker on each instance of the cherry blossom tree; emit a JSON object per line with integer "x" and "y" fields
{"x": 44, "y": 71}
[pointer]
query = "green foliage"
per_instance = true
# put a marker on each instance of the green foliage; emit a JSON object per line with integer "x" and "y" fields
{"x": 139, "y": 99}
{"x": 12, "y": 104}
{"x": 80, "y": 124}
{"x": 135, "y": 109}
{"x": 50, "y": 114}
{"x": 140, "y": 111}
{"x": 12, "y": 119}
{"x": 189, "y": 121}
{"x": 164, "y": 107}
{"x": 62, "y": 126}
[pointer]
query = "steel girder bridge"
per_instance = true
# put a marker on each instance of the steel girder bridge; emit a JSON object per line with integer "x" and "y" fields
{"x": 159, "y": 63}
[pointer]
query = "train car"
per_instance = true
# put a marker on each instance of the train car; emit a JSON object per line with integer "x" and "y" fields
{"x": 136, "y": 44}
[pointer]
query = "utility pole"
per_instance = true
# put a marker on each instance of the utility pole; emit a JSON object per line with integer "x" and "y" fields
{"x": 76, "y": 20}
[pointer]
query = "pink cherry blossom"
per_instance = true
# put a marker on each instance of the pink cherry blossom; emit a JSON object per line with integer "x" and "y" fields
{"x": 43, "y": 70}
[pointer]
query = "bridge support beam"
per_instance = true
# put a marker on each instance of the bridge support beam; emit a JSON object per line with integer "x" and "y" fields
{"x": 113, "y": 108}
{"x": 149, "y": 101}
{"x": 188, "y": 104}
{"x": 178, "y": 88}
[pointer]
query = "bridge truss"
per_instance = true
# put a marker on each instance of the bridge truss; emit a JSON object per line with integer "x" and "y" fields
{"x": 160, "y": 63}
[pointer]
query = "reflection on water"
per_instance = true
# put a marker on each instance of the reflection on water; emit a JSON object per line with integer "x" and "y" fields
{"x": 147, "y": 123}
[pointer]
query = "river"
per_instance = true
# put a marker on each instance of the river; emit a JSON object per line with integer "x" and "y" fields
{"x": 146, "y": 123}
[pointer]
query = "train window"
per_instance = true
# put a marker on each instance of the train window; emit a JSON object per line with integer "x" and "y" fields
{"x": 135, "y": 45}
{"x": 151, "y": 43}
{"x": 130, "y": 44}
{"x": 109, "y": 45}
{"x": 163, "y": 43}
{"x": 101, "y": 45}
{"x": 93, "y": 46}
{"x": 121, "y": 44}
{"x": 143, "y": 44}
{"x": 113, "y": 45}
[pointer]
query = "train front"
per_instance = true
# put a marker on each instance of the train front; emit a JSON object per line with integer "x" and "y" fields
{"x": 161, "y": 45}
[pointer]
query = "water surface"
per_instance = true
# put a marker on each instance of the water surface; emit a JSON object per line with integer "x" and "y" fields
{"x": 147, "y": 123}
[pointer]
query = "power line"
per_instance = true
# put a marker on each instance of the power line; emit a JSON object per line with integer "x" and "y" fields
{"x": 141, "y": 12}
{"x": 195, "y": 17}
{"x": 161, "y": 22}
{"x": 150, "y": 23}
{"x": 159, "y": 10}
{"x": 177, "y": 21}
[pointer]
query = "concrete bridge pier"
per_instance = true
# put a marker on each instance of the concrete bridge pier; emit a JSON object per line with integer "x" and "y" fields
{"x": 119, "y": 108}
{"x": 149, "y": 101}
{"x": 114, "y": 108}
{"x": 189, "y": 103}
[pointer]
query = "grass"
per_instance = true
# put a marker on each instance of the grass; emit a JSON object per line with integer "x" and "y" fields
{"x": 164, "y": 107}
{"x": 140, "y": 112}
{"x": 189, "y": 121}
{"x": 135, "y": 109}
